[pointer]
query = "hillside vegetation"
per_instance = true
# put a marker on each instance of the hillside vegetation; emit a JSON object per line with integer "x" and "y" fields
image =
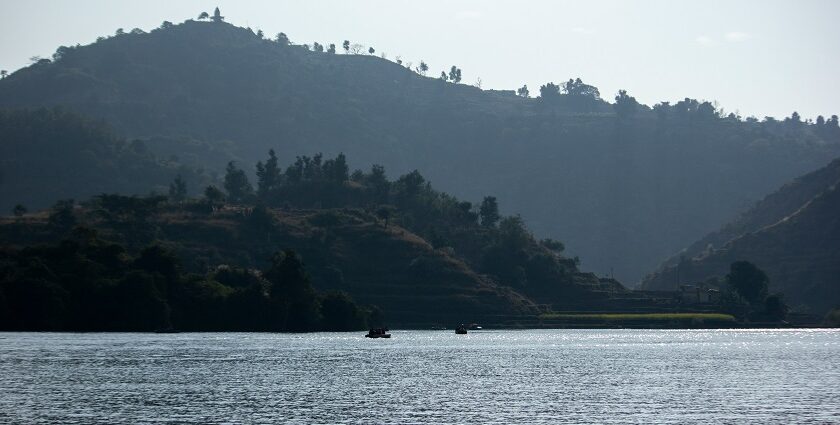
{"x": 624, "y": 185}
{"x": 793, "y": 234}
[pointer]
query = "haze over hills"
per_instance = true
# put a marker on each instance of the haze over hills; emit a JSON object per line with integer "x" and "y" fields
{"x": 793, "y": 234}
{"x": 622, "y": 190}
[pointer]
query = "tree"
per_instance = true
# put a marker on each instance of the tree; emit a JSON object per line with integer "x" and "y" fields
{"x": 346, "y": 46}
{"x": 282, "y": 39}
{"x": 268, "y": 175}
{"x": 331, "y": 49}
{"x": 625, "y": 105}
{"x": 119, "y": 31}
{"x": 748, "y": 281}
{"x": 384, "y": 213}
{"x": 217, "y": 16}
{"x": 523, "y": 91}
{"x": 549, "y": 93}
{"x": 3, "y": 74}
{"x": 290, "y": 290}
{"x": 340, "y": 313}
{"x": 166, "y": 25}
{"x": 336, "y": 170}
{"x": 62, "y": 217}
{"x": 238, "y": 187}
{"x": 356, "y": 48}
{"x": 213, "y": 194}
{"x": 489, "y": 212}
{"x": 203, "y": 15}
{"x": 260, "y": 34}
{"x": 443, "y": 76}
{"x": 423, "y": 68}
{"x": 178, "y": 189}
{"x": 19, "y": 210}
{"x": 775, "y": 307}
{"x": 455, "y": 74}
{"x": 577, "y": 88}
{"x": 371, "y": 50}
{"x": 318, "y": 47}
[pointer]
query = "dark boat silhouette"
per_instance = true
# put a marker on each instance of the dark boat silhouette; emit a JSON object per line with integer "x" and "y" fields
{"x": 378, "y": 333}
{"x": 461, "y": 330}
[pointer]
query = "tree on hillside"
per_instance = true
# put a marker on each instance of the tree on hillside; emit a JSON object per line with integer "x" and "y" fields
{"x": 748, "y": 281}
{"x": 260, "y": 34}
{"x": 422, "y": 68}
{"x": 523, "y": 91}
{"x": 213, "y": 194}
{"x": 489, "y": 211}
{"x": 178, "y": 189}
{"x": 346, "y": 46}
{"x": 384, "y": 213}
{"x": 203, "y": 15}
{"x": 625, "y": 105}
{"x": 455, "y": 74}
{"x": 443, "y": 76}
{"x": 166, "y": 25}
{"x": 238, "y": 187}
{"x": 3, "y": 74}
{"x": 119, "y": 31}
{"x": 331, "y": 49}
{"x": 577, "y": 88}
{"x": 18, "y": 210}
{"x": 217, "y": 16}
{"x": 295, "y": 300}
{"x": 371, "y": 50}
{"x": 378, "y": 183}
{"x": 282, "y": 39}
{"x": 549, "y": 93}
{"x": 336, "y": 170}
{"x": 268, "y": 175}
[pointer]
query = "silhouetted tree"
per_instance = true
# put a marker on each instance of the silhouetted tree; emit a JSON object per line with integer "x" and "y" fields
{"x": 336, "y": 170}
{"x": 295, "y": 302}
{"x": 346, "y": 46}
{"x": 238, "y": 187}
{"x": 282, "y": 39}
{"x": 331, "y": 49}
{"x": 217, "y": 16}
{"x": 178, "y": 189}
{"x": 455, "y": 74}
{"x": 489, "y": 211}
{"x": 213, "y": 194}
{"x": 423, "y": 68}
{"x": 625, "y": 105}
{"x": 577, "y": 88}
{"x": 384, "y": 213}
{"x": 749, "y": 281}
{"x": 522, "y": 91}
{"x": 371, "y": 50}
{"x": 268, "y": 175}
{"x": 203, "y": 15}
{"x": 3, "y": 74}
{"x": 119, "y": 31}
{"x": 356, "y": 48}
{"x": 166, "y": 25}
{"x": 260, "y": 34}
{"x": 340, "y": 313}
{"x": 19, "y": 210}
{"x": 443, "y": 76}
{"x": 317, "y": 47}
{"x": 549, "y": 93}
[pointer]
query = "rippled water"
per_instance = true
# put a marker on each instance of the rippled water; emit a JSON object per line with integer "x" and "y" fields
{"x": 540, "y": 376}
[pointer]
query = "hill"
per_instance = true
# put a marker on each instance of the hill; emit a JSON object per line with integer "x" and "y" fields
{"x": 420, "y": 255}
{"x": 622, "y": 190}
{"x": 793, "y": 234}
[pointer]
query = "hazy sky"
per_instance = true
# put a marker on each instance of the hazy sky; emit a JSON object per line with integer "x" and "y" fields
{"x": 756, "y": 57}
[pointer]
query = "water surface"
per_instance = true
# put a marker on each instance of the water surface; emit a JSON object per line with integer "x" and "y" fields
{"x": 535, "y": 376}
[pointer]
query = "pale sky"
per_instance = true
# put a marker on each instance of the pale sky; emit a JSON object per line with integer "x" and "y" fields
{"x": 759, "y": 57}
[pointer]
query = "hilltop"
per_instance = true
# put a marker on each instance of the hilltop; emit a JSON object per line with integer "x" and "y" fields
{"x": 623, "y": 185}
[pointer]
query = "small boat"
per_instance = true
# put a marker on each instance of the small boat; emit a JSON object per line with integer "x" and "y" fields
{"x": 378, "y": 333}
{"x": 475, "y": 327}
{"x": 461, "y": 330}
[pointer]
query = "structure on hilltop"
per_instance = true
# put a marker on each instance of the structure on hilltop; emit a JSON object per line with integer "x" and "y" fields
{"x": 217, "y": 16}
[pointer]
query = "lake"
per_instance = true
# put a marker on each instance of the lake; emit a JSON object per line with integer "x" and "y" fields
{"x": 528, "y": 376}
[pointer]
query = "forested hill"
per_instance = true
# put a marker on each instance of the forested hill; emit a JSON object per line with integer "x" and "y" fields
{"x": 793, "y": 234}
{"x": 624, "y": 185}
